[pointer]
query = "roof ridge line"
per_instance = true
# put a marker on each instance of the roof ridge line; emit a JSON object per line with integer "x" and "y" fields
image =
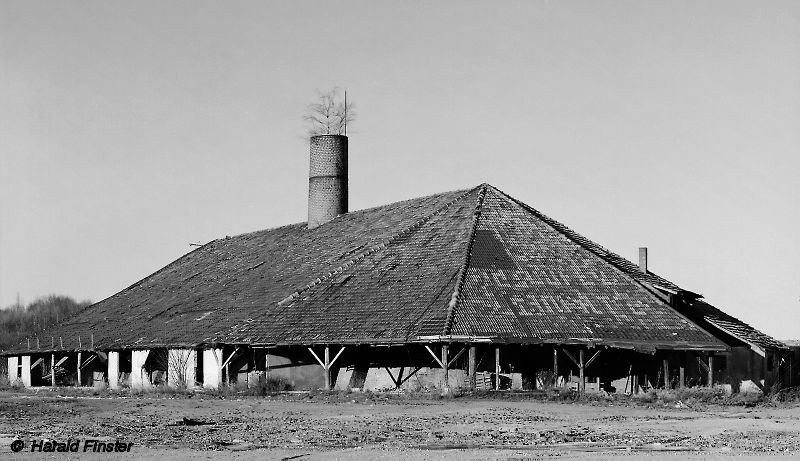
{"x": 375, "y": 248}
{"x": 451, "y": 306}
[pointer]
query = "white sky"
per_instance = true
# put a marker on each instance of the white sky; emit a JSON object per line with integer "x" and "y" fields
{"x": 130, "y": 129}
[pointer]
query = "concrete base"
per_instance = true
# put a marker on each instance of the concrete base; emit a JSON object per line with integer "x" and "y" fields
{"x": 113, "y": 370}
{"x": 212, "y": 371}
{"x": 139, "y": 377}
{"x": 182, "y": 365}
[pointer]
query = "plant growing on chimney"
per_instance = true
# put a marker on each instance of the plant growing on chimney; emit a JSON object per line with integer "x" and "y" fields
{"x": 330, "y": 114}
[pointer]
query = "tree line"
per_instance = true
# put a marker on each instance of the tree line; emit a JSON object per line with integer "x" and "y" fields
{"x": 19, "y": 321}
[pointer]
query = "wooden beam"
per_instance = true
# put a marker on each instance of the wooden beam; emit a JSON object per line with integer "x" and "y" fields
{"x": 395, "y": 381}
{"x": 571, "y": 357}
{"x": 581, "y": 369}
{"x": 53, "y": 370}
{"x": 230, "y": 356}
{"x": 460, "y": 353}
{"x": 327, "y": 368}
{"x": 628, "y": 380}
{"x": 321, "y": 363}
{"x": 555, "y": 366}
{"x": 336, "y": 356}
{"x": 592, "y": 358}
{"x": 88, "y": 361}
{"x": 471, "y": 367}
{"x": 446, "y": 362}
{"x": 410, "y": 375}
{"x": 666, "y": 373}
{"x": 497, "y": 368}
{"x": 78, "y": 383}
{"x": 434, "y": 356}
{"x": 702, "y": 364}
{"x": 710, "y": 370}
{"x": 217, "y": 358}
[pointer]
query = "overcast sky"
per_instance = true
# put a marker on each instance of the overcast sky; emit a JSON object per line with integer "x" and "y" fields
{"x": 130, "y": 129}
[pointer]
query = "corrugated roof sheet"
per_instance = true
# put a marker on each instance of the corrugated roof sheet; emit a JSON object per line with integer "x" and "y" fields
{"x": 465, "y": 263}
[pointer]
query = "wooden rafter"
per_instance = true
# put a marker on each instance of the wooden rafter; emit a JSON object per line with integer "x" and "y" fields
{"x": 460, "y": 353}
{"x": 230, "y": 357}
{"x": 571, "y": 357}
{"x": 441, "y": 364}
{"x": 589, "y": 362}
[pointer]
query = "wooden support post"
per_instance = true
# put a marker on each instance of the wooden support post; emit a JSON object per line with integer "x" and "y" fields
{"x": 266, "y": 365}
{"x": 682, "y": 376}
{"x": 666, "y": 374}
{"x": 327, "y": 368}
{"x": 78, "y": 383}
{"x": 497, "y": 368}
{"x": 327, "y": 363}
{"x": 445, "y": 363}
{"x": 53, "y": 369}
{"x": 581, "y": 371}
{"x": 710, "y": 370}
{"x": 471, "y": 366}
{"x": 555, "y": 367}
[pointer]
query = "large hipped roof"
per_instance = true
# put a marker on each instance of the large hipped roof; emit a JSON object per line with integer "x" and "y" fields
{"x": 472, "y": 264}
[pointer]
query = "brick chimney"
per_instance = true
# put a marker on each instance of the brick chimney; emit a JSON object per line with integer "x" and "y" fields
{"x": 643, "y": 259}
{"x": 327, "y": 179}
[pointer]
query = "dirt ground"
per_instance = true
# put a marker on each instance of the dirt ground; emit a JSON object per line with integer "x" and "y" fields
{"x": 364, "y": 426}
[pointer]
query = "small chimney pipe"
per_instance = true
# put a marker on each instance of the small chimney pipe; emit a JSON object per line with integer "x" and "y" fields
{"x": 327, "y": 179}
{"x": 643, "y": 259}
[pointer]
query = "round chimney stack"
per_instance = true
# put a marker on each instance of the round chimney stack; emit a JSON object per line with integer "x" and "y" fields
{"x": 327, "y": 179}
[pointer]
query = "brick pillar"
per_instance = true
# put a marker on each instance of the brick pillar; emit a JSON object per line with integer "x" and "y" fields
{"x": 327, "y": 179}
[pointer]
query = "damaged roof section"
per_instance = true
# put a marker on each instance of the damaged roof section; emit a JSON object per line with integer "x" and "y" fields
{"x": 713, "y": 319}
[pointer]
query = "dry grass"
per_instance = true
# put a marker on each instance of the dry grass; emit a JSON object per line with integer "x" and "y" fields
{"x": 688, "y": 397}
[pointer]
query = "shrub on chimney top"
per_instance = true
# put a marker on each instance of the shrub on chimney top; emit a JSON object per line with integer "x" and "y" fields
{"x": 330, "y": 114}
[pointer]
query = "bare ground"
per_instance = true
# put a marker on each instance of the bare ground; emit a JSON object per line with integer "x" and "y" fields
{"x": 364, "y": 426}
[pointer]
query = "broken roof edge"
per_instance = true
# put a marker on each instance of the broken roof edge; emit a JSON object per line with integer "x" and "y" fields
{"x": 758, "y": 348}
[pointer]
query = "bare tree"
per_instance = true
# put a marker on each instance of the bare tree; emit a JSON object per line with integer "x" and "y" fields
{"x": 179, "y": 363}
{"x": 330, "y": 115}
